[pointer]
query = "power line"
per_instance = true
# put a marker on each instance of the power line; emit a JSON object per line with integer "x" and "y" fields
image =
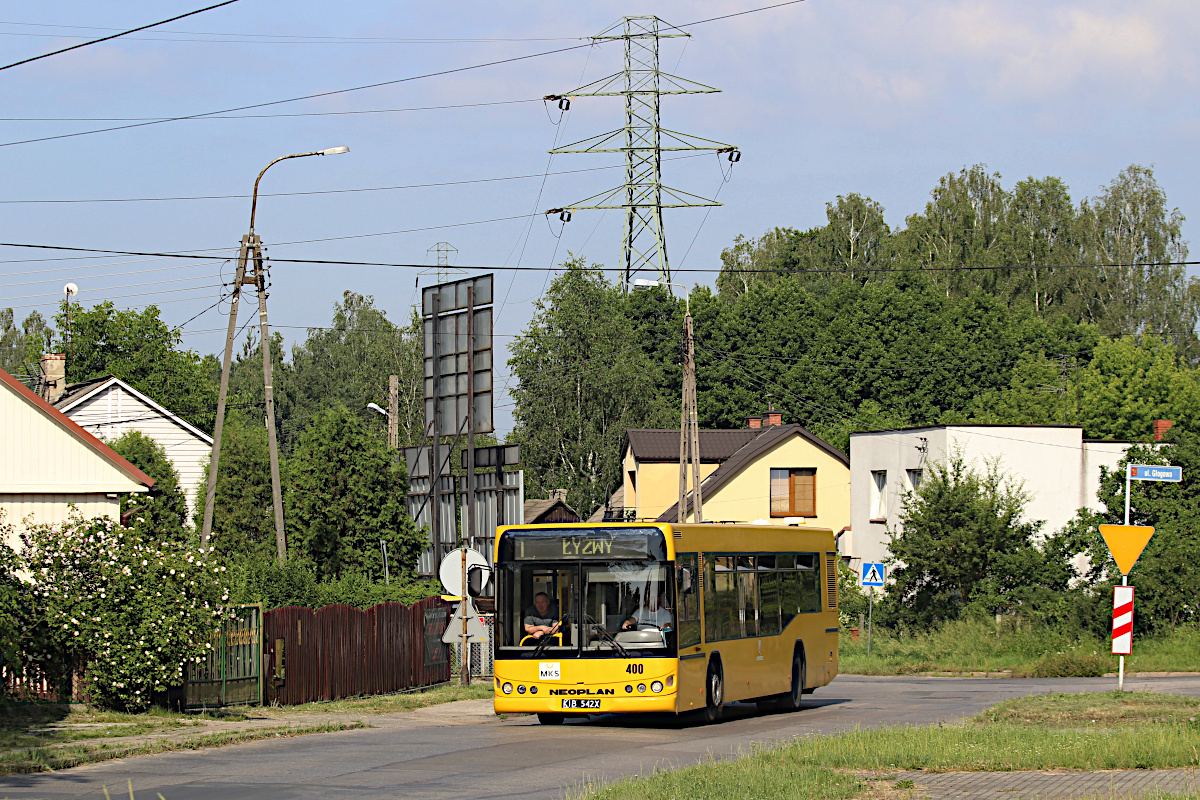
{"x": 115, "y": 35}
{"x": 319, "y": 191}
{"x": 739, "y": 13}
{"x": 313, "y": 96}
{"x": 277, "y": 116}
{"x": 102, "y": 275}
{"x": 289, "y": 37}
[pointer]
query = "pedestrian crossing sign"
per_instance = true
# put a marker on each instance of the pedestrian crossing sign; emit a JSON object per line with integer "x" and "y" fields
{"x": 872, "y": 573}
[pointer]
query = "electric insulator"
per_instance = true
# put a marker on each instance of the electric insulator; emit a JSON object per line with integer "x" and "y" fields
{"x": 735, "y": 156}
{"x": 564, "y": 104}
{"x": 565, "y": 215}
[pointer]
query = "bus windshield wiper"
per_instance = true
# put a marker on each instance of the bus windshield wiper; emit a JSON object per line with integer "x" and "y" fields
{"x": 604, "y": 634}
{"x": 544, "y": 642}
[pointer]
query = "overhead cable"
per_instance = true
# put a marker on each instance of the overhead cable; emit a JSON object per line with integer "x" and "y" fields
{"x": 498, "y": 268}
{"x": 115, "y": 35}
{"x": 313, "y": 96}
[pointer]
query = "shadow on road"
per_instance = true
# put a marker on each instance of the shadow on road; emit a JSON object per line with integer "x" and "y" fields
{"x": 732, "y": 713}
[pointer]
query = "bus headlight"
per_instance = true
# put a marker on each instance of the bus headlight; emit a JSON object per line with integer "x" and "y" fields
{"x": 520, "y": 690}
{"x": 506, "y": 688}
{"x": 642, "y": 687}
{"x": 656, "y": 686}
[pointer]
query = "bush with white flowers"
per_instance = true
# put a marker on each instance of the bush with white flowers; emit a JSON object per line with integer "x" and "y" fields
{"x": 131, "y": 609}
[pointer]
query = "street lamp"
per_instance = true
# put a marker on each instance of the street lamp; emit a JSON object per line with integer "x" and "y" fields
{"x": 330, "y": 151}
{"x": 251, "y": 254}
{"x": 689, "y": 427}
{"x": 378, "y": 409}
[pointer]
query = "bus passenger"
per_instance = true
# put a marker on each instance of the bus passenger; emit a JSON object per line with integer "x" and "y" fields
{"x": 541, "y": 618}
{"x": 653, "y": 613}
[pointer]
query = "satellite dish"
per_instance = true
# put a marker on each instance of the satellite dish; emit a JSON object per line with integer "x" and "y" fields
{"x": 70, "y": 290}
{"x": 451, "y": 570}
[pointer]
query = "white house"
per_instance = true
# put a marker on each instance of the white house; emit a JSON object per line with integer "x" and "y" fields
{"x": 48, "y": 463}
{"x": 1057, "y": 467}
{"x": 109, "y": 407}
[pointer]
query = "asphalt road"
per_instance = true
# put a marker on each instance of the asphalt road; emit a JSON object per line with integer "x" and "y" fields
{"x": 432, "y": 756}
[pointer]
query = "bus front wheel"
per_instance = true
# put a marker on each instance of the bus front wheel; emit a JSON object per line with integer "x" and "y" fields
{"x": 714, "y": 694}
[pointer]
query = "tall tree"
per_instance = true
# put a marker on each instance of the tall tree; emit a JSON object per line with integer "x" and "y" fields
{"x": 243, "y": 514}
{"x": 163, "y": 513}
{"x": 345, "y": 498}
{"x": 1137, "y": 242}
{"x": 142, "y": 350}
{"x": 349, "y": 362}
{"x": 22, "y": 346}
{"x": 581, "y": 383}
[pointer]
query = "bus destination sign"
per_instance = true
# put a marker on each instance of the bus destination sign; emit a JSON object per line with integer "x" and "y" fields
{"x": 580, "y": 544}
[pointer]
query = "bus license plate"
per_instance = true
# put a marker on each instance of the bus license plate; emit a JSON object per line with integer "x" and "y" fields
{"x": 574, "y": 702}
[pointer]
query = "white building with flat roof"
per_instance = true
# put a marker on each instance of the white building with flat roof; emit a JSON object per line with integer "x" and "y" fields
{"x": 1054, "y": 464}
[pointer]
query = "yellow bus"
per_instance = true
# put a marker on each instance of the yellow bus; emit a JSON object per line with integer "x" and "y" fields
{"x": 660, "y": 617}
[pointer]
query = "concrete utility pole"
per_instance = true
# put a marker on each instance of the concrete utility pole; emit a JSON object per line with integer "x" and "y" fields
{"x": 394, "y": 412}
{"x": 251, "y": 253}
{"x": 689, "y": 425}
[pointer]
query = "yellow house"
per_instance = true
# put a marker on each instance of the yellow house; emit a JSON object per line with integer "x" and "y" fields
{"x": 766, "y": 473}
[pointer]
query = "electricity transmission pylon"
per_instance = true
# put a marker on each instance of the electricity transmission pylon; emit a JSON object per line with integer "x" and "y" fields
{"x": 643, "y": 141}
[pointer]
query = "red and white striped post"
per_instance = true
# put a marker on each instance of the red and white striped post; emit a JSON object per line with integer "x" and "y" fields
{"x": 1122, "y": 642}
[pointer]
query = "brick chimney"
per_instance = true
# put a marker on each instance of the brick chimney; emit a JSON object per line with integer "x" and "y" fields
{"x": 54, "y": 376}
{"x": 772, "y": 418}
{"x": 1161, "y": 426}
{"x": 754, "y": 422}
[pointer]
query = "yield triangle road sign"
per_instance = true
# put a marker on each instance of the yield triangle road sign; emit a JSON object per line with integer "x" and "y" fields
{"x": 1126, "y": 543}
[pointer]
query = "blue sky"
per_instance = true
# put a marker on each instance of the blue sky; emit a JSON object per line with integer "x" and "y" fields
{"x": 822, "y": 97}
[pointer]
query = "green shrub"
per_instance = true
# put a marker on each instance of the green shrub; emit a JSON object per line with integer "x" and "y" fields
{"x": 295, "y": 583}
{"x": 131, "y": 610}
{"x": 1072, "y": 664}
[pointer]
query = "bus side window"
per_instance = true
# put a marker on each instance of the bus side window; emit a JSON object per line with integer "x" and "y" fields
{"x": 747, "y": 581}
{"x": 789, "y": 593}
{"x": 768, "y": 592}
{"x": 810, "y": 582}
{"x": 688, "y": 603}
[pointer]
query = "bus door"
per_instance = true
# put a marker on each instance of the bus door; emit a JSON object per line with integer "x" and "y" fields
{"x": 693, "y": 662}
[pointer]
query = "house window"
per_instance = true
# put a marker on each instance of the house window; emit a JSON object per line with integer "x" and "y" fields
{"x": 914, "y": 479}
{"x": 793, "y": 493}
{"x": 878, "y": 495}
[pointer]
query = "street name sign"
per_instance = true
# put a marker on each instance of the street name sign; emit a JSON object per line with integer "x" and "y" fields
{"x": 1126, "y": 543}
{"x": 1122, "y": 642}
{"x": 1154, "y": 472}
{"x": 873, "y": 573}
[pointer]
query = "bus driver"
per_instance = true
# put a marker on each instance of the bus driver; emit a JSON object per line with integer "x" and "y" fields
{"x": 541, "y": 618}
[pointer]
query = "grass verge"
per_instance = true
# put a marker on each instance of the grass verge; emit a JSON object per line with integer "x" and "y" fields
{"x": 1078, "y": 732}
{"x": 49, "y": 759}
{"x": 976, "y": 646}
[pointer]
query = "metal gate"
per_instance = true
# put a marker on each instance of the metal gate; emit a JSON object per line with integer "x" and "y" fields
{"x": 231, "y": 672}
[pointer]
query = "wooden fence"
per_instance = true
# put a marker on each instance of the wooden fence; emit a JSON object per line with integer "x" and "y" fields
{"x": 29, "y": 684}
{"x": 340, "y": 651}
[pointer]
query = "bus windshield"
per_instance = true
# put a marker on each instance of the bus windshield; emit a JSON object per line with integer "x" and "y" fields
{"x": 572, "y": 607}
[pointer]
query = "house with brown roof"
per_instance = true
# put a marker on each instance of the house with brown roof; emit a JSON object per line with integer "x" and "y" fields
{"x": 767, "y": 472}
{"x": 49, "y": 464}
